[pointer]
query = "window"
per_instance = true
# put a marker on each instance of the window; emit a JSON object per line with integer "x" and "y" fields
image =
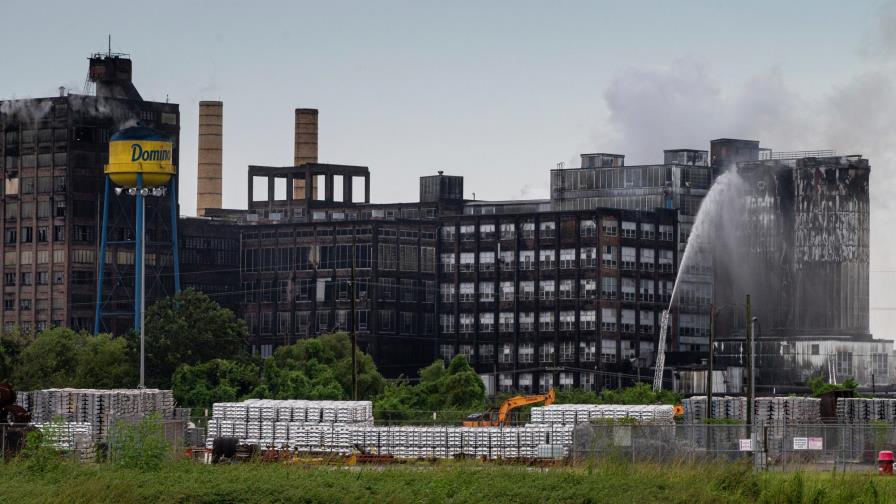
{"x": 448, "y": 234}
{"x": 60, "y": 208}
{"x": 506, "y": 356}
{"x": 486, "y": 322}
{"x": 508, "y": 231}
{"x": 546, "y": 290}
{"x": 665, "y": 260}
{"x": 283, "y": 323}
{"x": 446, "y": 323}
{"x": 43, "y": 209}
{"x": 527, "y": 321}
{"x": 608, "y": 287}
{"x": 608, "y": 351}
{"x": 548, "y": 230}
{"x": 844, "y": 364}
{"x": 446, "y": 293}
{"x": 607, "y": 320}
{"x": 467, "y": 292}
{"x": 505, "y": 322}
{"x": 588, "y": 289}
{"x": 42, "y": 234}
{"x": 43, "y": 278}
{"x": 629, "y": 229}
{"x": 566, "y": 289}
{"x": 546, "y": 353}
{"x": 588, "y": 320}
{"x": 9, "y": 279}
{"x": 527, "y": 260}
{"x": 648, "y": 231}
{"x": 486, "y": 353}
{"x": 628, "y": 289}
{"x": 486, "y": 261}
{"x": 507, "y": 291}
{"x": 567, "y": 354}
{"x": 526, "y": 353}
{"x": 546, "y": 259}
{"x": 527, "y": 290}
{"x": 408, "y": 259}
{"x": 645, "y": 322}
{"x": 646, "y": 259}
{"x": 466, "y": 351}
{"x": 446, "y": 351}
{"x": 629, "y": 258}
{"x": 507, "y": 260}
{"x": 665, "y": 232}
{"x": 447, "y": 263}
{"x": 588, "y": 257}
{"x": 487, "y": 231}
{"x": 528, "y": 230}
{"x": 11, "y": 235}
{"x": 486, "y": 292}
{"x": 587, "y": 228}
{"x": 627, "y": 321}
{"x": 468, "y": 232}
{"x": 567, "y": 258}
{"x": 466, "y": 323}
{"x": 608, "y": 257}
{"x": 568, "y": 320}
{"x": 608, "y": 227}
{"x": 467, "y": 262}
{"x": 587, "y": 351}
{"x": 546, "y": 321}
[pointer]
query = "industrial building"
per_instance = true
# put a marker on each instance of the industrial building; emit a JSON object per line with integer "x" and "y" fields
{"x": 54, "y": 150}
{"x": 565, "y": 291}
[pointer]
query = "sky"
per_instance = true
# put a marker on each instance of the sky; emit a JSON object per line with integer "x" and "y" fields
{"x": 499, "y": 92}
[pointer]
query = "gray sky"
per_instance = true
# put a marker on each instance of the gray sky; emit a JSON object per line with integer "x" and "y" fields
{"x": 498, "y": 92}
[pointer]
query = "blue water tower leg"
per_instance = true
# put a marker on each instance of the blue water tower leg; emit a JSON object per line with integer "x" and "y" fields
{"x": 175, "y": 256}
{"x": 101, "y": 267}
{"x": 138, "y": 257}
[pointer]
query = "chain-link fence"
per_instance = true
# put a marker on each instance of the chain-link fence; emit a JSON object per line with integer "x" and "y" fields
{"x": 770, "y": 446}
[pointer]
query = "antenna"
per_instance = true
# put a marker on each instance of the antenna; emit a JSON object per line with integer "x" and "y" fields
{"x": 109, "y": 53}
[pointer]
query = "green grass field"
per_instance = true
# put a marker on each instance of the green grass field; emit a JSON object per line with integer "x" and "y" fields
{"x": 446, "y": 482}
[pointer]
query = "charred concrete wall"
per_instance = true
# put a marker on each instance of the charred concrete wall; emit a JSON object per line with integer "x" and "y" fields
{"x": 802, "y": 251}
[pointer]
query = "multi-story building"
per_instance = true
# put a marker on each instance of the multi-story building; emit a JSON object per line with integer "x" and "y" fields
{"x": 54, "y": 150}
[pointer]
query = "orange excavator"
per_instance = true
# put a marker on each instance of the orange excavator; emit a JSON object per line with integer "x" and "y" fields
{"x": 501, "y": 416}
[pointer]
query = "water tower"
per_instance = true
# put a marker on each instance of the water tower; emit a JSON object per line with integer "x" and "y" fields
{"x": 140, "y": 165}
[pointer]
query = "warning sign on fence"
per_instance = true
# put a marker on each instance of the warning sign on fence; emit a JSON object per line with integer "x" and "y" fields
{"x": 816, "y": 443}
{"x": 800, "y": 443}
{"x": 746, "y": 444}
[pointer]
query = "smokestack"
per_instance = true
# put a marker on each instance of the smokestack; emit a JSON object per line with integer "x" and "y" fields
{"x": 305, "y": 148}
{"x": 211, "y": 130}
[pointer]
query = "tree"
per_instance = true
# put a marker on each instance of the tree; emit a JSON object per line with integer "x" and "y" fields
{"x": 189, "y": 328}
{"x": 12, "y": 344}
{"x": 61, "y": 357}
{"x": 218, "y": 380}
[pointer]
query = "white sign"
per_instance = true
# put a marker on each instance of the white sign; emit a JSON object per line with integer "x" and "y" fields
{"x": 816, "y": 443}
{"x": 746, "y": 444}
{"x": 800, "y": 443}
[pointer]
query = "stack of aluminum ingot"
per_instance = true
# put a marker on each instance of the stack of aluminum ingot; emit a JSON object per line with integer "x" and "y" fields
{"x": 67, "y": 435}
{"x": 725, "y": 407}
{"x": 99, "y": 408}
{"x": 787, "y": 410}
{"x": 350, "y": 424}
{"x": 860, "y": 410}
{"x": 570, "y": 414}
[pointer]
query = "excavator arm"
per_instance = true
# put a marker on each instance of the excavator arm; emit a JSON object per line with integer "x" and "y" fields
{"x": 520, "y": 401}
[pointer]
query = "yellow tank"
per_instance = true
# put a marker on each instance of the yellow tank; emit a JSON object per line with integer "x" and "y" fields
{"x": 140, "y": 150}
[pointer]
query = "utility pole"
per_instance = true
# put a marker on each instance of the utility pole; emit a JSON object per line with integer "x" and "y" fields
{"x": 354, "y": 332}
{"x": 712, "y": 334}
{"x": 749, "y": 363}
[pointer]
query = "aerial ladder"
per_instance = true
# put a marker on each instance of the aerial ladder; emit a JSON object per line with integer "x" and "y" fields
{"x": 501, "y": 416}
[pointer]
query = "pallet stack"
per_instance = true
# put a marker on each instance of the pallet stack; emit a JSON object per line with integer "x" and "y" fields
{"x": 860, "y": 410}
{"x": 571, "y": 414}
{"x": 98, "y": 408}
{"x": 339, "y": 427}
{"x": 787, "y": 410}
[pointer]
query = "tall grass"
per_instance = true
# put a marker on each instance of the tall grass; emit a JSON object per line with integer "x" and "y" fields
{"x": 448, "y": 481}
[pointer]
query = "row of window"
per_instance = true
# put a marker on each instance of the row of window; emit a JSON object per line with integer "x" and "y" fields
{"x": 45, "y": 209}
{"x": 631, "y": 290}
{"x": 548, "y": 352}
{"x": 338, "y": 320}
{"x": 390, "y": 257}
{"x": 41, "y": 234}
{"x": 325, "y": 290}
{"x": 548, "y": 230}
{"x": 545, "y": 321}
{"x": 630, "y": 259}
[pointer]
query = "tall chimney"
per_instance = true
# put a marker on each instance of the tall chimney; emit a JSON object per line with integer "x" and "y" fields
{"x": 211, "y": 129}
{"x": 305, "y": 148}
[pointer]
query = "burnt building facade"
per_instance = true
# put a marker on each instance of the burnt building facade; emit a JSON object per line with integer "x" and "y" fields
{"x": 54, "y": 150}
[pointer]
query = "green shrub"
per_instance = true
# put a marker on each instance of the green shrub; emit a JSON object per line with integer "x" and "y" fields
{"x": 139, "y": 445}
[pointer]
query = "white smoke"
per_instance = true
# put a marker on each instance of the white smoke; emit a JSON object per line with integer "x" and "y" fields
{"x": 30, "y": 111}
{"x": 683, "y": 106}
